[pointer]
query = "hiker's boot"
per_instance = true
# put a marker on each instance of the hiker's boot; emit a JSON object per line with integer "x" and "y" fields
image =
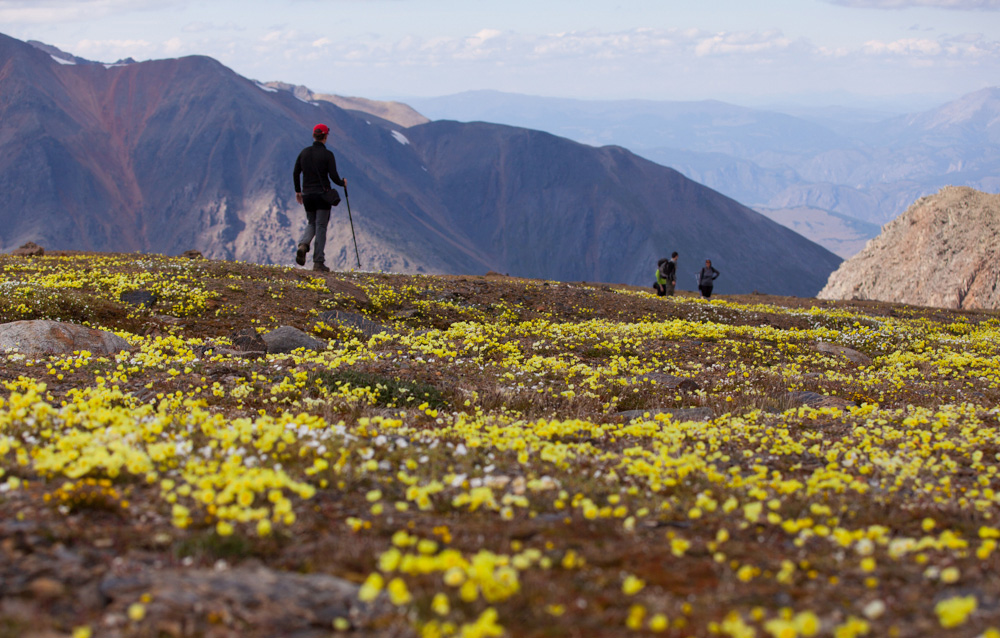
{"x": 300, "y": 254}
{"x": 320, "y": 267}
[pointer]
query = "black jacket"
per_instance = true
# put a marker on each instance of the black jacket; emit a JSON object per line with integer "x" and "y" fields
{"x": 314, "y": 164}
{"x": 668, "y": 269}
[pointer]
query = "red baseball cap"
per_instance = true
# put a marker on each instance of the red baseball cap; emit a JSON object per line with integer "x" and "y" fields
{"x": 321, "y": 128}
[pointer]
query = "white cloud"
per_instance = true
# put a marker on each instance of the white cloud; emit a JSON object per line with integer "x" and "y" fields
{"x": 747, "y": 43}
{"x": 173, "y": 46}
{"x": 108, "y": 50}
{"x": 905, "y": 47}
{"x": 957, "y": 5}
{"x": 962, "y": 47}
{"x": 55, "y": 11}
{"x": 653, "y": 45}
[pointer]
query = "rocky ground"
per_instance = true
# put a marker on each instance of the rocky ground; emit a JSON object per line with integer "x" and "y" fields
{"x": 264, "y": 451}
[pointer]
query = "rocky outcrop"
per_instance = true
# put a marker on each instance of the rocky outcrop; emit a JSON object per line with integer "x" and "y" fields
{"x": 944, "y": 251}
{"x": 31, "y": 249}
{"x": 44, "y": 337}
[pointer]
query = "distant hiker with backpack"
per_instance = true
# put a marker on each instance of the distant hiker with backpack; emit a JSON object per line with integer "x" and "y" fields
{"x": 315, "y": 165}
{"x": 706, "y": 279}
{"x": 666, "y": 275}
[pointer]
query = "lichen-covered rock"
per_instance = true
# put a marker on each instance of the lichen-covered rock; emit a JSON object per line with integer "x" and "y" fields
{"x": 286, "y": 339}
{"x": 851, "y": 355}
{"x": 817, "y": 400}
{"x": 41, "y": 337}
{"x": 677, "y": 414}
{"x": 353, "y": 321}
{"x": 139, "y": 297}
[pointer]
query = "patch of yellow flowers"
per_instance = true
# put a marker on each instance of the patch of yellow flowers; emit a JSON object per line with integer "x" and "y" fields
{"x": 901, "y": 489}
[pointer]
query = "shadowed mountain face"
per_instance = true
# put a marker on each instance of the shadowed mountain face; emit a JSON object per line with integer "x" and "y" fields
{"x": 547, "y": 207}
{"x": 865, "y": 165}
{"x": 171, "y": 155}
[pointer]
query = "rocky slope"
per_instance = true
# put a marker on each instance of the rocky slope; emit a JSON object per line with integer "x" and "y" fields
{"x": 944, "y": 251}
{"x": 865, "y": 165}
{"x": 395, "y": 112}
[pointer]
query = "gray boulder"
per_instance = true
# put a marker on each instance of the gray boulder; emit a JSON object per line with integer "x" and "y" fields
{"x": 41, "y": 337}
{"x": 286, "y": 339}
{"x": 353, "y": 321}
{"x": 817, "y": 400}
{"x": 851, "y": 355}
{"x": 140, "y": 297}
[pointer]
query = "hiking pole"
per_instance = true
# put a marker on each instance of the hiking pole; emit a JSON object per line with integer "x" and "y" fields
{"x": 347, "y": 198}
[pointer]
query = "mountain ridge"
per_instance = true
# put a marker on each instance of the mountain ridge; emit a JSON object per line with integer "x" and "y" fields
{"x": 170, "y": 155}
{"x": 868, "y": 170}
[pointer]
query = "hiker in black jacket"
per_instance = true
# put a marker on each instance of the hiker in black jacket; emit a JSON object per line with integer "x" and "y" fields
{"x": 666, "y": 275}
{"x": 315, "y": 164}
{"x": 706, "y": 279}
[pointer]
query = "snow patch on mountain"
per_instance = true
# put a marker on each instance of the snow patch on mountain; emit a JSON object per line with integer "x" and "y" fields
{"x": 400, "y": 138}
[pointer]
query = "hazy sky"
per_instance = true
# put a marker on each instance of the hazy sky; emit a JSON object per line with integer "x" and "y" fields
{"x": 744, "y": 51}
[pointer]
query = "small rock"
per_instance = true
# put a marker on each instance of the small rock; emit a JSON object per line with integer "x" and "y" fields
{"x": 31, "y": 249}
{"x": 192, "y": 254}
{"x": 817, "y": 400}
{"x": 342, "y": 288}
{"x": 670, "y": 382}
{"x": 409, "y": 313}
{"x": 286, "y": 339}
{"x": 248, "y": 340}
{"x": 678, "y": 414}
{"x": 45, "y": 337}
{"x": 852, "y": 355}
{"x": 138, "y": 298}
{"x": 48, "y": 588}
{"x": 354, "y": 321}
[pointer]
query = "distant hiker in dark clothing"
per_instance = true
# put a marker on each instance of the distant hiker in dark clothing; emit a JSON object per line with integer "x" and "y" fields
{"x": 666, "y": 275}
{"x": 706, "y": 279}
{"x": 315, "y": 164}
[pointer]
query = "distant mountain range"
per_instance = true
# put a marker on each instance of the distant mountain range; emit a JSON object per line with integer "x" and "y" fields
{"x": 169, "y": 155}
{"x": 861, "y": 164}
